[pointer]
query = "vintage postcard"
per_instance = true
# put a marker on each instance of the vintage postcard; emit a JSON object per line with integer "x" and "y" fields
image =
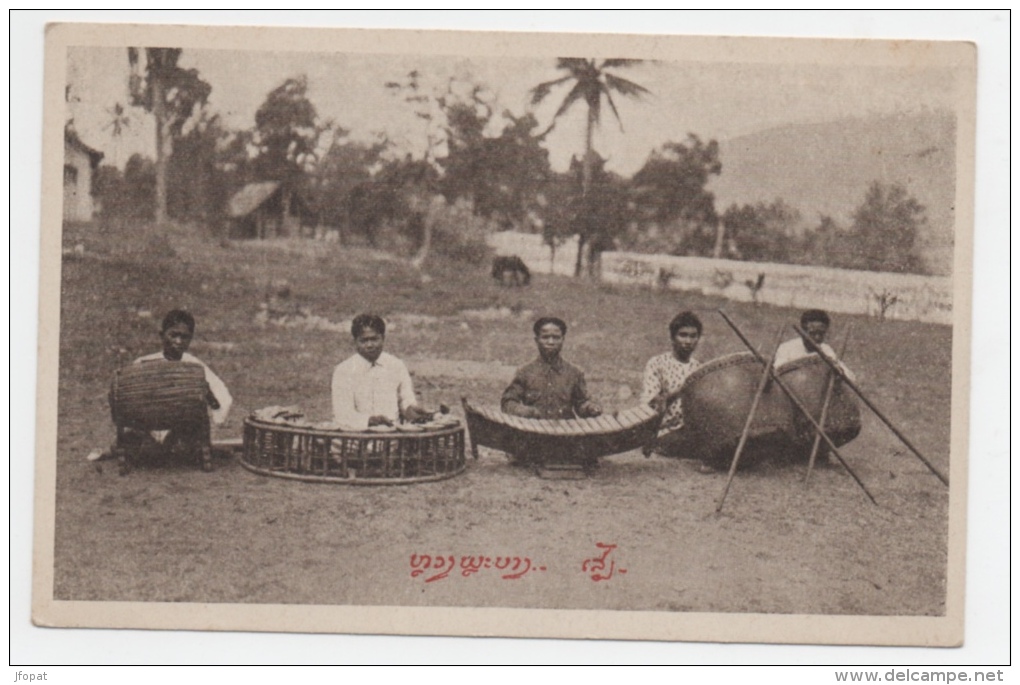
{"x": 505, "y": 334}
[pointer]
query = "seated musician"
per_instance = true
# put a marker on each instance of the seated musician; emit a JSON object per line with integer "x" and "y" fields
{"x": 664, "y": 377}
{"x": 372, "y": 387}
{"x": 815, "y": 323}
{"x": 549, "y": 387}
{"x": 176, "y": 333}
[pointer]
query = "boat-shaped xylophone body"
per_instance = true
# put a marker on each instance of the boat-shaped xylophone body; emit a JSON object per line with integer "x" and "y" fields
{"x": 569, "y": 439}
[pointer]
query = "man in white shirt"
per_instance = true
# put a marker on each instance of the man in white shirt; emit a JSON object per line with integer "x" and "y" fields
{"x": 815, "y": 323}
{"x": 372, "y": 388}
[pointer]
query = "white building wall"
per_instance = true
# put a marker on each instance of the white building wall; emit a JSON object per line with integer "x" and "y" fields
{"x": 919, "y": 298}
{"x": 78, "y": 204}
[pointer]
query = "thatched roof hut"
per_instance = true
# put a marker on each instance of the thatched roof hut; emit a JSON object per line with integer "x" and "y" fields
{"x": 267, "y": 209}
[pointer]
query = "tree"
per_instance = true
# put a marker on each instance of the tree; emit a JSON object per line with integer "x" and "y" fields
{"x": 429, "y": 108}
{"x": 591, "y": 81}
{"x": 886, "y": 227}
{"x": 287, "y": 131}
{"x": 395, "y": 195}
{"x": 764, "y": 232}
{"x": 170, "y": 94}
{"x": 504, "y": 175}
{"x": 670, "y": 190}
{"x": 197, "y": 186}
{"x": 119, "y": 121}
{"x": 345, "y": 166}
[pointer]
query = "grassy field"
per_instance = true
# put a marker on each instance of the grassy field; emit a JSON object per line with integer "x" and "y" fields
{"x": 173, "y": 533}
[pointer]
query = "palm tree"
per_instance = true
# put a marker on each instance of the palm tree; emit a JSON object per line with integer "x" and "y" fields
{"x": 119, "y": 120}
{"x": 592, "y": 81}
{"x": 171, "y": 94}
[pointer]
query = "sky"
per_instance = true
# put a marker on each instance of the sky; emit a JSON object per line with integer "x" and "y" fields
{"x": 711, "y": 99}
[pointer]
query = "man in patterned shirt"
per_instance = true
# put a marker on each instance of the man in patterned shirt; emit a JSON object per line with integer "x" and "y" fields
{"x": 665, "y": 375}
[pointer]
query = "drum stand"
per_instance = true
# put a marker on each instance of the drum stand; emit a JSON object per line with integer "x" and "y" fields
{"x": 182, "y": 439}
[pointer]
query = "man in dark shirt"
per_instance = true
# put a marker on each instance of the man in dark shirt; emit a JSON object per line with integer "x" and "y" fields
{"x": 549, "y": 387}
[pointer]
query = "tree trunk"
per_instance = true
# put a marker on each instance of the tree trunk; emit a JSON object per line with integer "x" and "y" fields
{"x": 426, "y": 243}
{"x": 163, "y": 142}
{"x": 720, "y": 237}
{"x": 587, "y": 169}
{"x": 285, "y": 213}
{"x": 578, "y": 265}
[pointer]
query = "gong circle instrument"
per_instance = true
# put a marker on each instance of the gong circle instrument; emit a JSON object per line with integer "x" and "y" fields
{"x": 383, "y": 455}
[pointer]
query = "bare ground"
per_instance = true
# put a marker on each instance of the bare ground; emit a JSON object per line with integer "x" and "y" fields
{"x": 173, "y": 533}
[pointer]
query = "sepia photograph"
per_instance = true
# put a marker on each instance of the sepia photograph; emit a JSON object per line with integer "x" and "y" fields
{"x": 506, "y": 334}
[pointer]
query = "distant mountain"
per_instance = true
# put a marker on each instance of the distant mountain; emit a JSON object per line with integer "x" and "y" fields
{"x": 825, "y": 168}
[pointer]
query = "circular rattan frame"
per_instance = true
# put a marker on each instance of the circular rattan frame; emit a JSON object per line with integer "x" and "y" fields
{"x": 352, "y": 458}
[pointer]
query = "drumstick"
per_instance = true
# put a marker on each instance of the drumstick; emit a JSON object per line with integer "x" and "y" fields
{"x": 853, "y": 386}
{"x": 800, "y": 406}
{"x": 825, "y": 406}
{"x": 750, "y": 418}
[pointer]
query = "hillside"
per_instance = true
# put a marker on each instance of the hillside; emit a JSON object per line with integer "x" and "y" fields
{"x": 825, "y": 168}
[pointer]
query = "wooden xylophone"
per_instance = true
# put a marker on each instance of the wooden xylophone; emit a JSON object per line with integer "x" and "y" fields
{"x": 581, "y": 438}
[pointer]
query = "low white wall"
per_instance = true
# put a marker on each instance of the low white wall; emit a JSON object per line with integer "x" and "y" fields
{"x": 919, "y": 298}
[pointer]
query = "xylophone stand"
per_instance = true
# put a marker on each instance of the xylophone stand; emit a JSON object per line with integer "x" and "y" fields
{"x": 563, "y": 471}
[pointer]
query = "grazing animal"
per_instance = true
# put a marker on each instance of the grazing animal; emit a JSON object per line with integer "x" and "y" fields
{"x": 515, "y": 266}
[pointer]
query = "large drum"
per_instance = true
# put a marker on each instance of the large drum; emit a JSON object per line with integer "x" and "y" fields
{"x": 387, "y": 456}
{"x": 159, "y": 395}
{"x": 716, "y": 400}
{"x": 808, "y": 379}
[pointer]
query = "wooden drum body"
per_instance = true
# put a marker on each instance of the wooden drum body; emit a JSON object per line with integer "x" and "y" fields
{"x": 357, "y": 458}
{"x": 567, "y": 439}
{"x": 159, "y": 395}
{"x": 716, "y": 400}
{"x": 808, "y": 379}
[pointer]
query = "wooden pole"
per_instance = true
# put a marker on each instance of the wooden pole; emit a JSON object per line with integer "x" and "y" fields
{"x": 825, "y": 406}
{"x": 750, "y": 419}
{"x": 474, "y": 445}
{"x": 853, "y": 386}
{"x": 800, "y": 406}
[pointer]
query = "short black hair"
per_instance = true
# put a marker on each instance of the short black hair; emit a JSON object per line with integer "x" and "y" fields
{"x": 559, "y": 323}
{"x": 684, "y": 320}
{"x": 176, "y": 316}
{"x": 814, "y": 315}
{"x": 363, "y": 321}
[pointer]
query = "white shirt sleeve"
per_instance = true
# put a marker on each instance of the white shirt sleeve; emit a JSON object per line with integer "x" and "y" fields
{"x": 345, "y": 412}
{"x": 217, "y": 387}
{"x": 831, "y": 354}
{"x": 790, "y": 350}
{"x": 222, "y": 395}
{"x": 405, "y": 389}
